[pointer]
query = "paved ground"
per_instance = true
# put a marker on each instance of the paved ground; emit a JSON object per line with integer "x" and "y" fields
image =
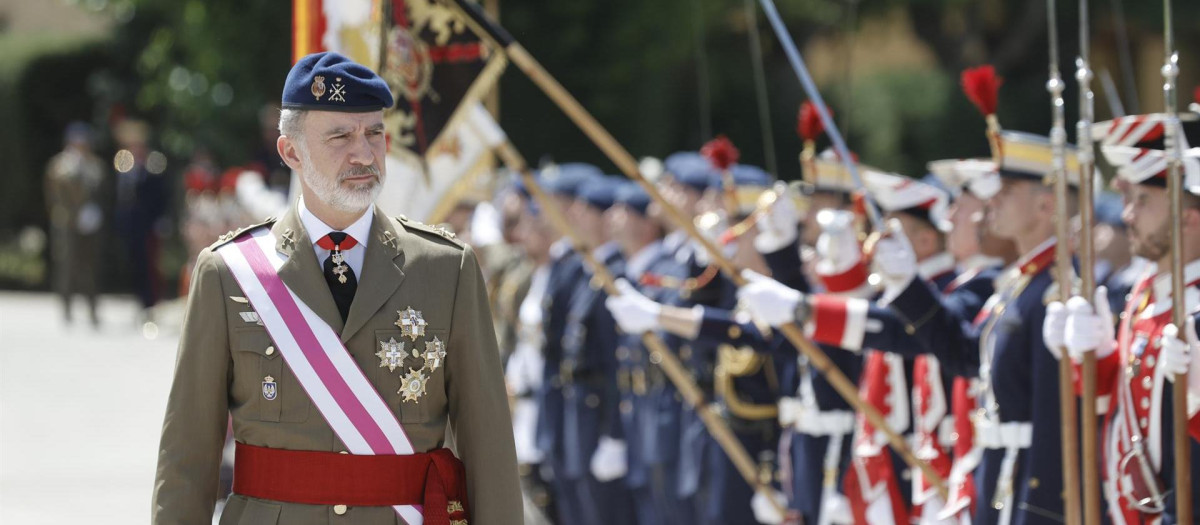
{"x": 80, "y": 411}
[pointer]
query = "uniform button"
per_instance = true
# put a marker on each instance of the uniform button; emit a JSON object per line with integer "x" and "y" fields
{"x": 1145, "y": 403}
{"x": 622, "y": 353}
{"x": 339, "y": 509}
{"x": 1150, "y": 360}
{"x": 1034, "y": 483}
{"x": 343, "y": 452}
{"x": 270, "y": 350}
{"x": 592, "y": 400}
{"x": 1147, "y": 382}
{"x": 626, "y": 406}
{"x": 1143, "y": 423}
{"x": 735, "y": 332}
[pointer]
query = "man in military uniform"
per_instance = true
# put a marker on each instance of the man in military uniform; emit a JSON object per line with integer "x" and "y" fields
{"x": 1134, "y": 367}
{"x": 73, "y": 181}
{"x": 639, "y": 237}
{"x": 593, "y": 452}
{"x": 347, "y": 345}
{"x": 565, "y": 270}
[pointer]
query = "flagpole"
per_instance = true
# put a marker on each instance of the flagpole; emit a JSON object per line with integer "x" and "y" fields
{"x": 1065, "y": 277}
{"x": 1173, "y": 144}
{"x": 1087, "y": 274}
{"x": 659, "y": 353}
{"x": 628, "y": 165}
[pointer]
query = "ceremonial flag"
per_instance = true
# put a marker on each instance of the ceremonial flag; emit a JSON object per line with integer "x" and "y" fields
{"x": 433, "y": 64}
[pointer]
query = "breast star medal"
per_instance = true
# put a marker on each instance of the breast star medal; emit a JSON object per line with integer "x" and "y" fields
{"x": 413, "y": 385}
{"x": 435, "y": 354}
{"x": 391, "y": 354}
{"x": 411, "y": 323}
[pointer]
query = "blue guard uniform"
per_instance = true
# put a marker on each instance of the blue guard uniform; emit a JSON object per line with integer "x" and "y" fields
{"x": 588, "y": 376}
{"x": 566, "y": 269}
{"x": 638, "y": 413}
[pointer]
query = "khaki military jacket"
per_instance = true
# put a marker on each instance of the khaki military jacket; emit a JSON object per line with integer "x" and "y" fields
{"x": 223, "y": 360}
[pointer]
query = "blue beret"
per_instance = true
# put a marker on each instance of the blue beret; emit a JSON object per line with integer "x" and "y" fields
{"x": 747, "y": 176}
{"x": 631, "y": 194}
{"x": 1108, "y": 209}
{"x": 600, "y": 192}
{"x": 331, "y": 82}
{"x": 692, "y": 169}
{"x": 565, "y": 179}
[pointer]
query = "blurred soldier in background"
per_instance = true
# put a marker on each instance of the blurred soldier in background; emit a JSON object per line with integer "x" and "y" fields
{"x": 73, "y": 183}
{"x": 141, "y": 204}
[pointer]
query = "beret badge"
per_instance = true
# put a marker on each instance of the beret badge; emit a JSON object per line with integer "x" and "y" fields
{"x": 318, "y": 86}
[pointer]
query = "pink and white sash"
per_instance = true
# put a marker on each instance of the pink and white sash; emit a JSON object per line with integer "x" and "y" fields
{"x": 315, "y": 354}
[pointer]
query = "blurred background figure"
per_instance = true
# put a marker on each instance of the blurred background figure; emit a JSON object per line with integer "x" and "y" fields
{"x": 74, "y": 181}
{"x": 141, "y": 206}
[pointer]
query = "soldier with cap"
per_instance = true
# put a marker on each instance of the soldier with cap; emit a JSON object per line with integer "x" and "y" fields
{"x": 73, "y": 183}
{"x": 344, "y": 343}
{"x": 1136, "y": 364}
{"x": 593, "y": 452}
{"x": 639, "y": 237}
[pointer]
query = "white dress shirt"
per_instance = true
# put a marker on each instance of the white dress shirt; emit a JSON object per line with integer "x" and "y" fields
{"x": 360, "y": 230}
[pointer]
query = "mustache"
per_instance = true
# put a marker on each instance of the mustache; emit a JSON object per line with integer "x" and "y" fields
{"x": 359, "y": 171}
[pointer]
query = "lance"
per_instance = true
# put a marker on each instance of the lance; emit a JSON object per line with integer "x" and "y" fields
{"x": 481, "y": 25}
{"x": 1087, "y": 274}
{"x": 1066, "y": 389}
{"x": 660, "y": 354}
{"x": 1173, "y": 145}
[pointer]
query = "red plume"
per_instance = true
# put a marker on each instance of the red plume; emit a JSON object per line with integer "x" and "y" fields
{"x": 720, "y": 152}
{"x": 1196, "y": 95}
{"x": 808, "y": 123}
{"x": 982, "y": 86}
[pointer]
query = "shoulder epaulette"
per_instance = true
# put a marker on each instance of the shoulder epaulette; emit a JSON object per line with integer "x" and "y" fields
{"x": 436, "y": 231}
{"x": 234, "y": 234}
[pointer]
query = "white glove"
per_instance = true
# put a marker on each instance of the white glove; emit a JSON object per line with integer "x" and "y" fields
{"x": 610, "y": 461}
{"x": 1178, "y": 357}
{"x": 1089, "y": 330}
{"x": 837, "y": 246}
{"x": 778, "y": 227}
{"x": 837, "y": 507}
{"x": 634, "y": 312}
{"x": 766, "y": 513}
{"x": 1053, "y": 328}
{"x": 768, "y": 300}
{"x": 894, "y": 259}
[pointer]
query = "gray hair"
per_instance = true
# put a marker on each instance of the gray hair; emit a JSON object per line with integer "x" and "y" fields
{"x": 291, "y": 123}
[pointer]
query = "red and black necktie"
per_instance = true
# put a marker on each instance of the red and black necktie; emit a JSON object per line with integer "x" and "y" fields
{"x": 340, "y": 277}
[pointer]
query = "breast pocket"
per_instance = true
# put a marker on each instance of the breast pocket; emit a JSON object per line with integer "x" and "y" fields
{"x": 276, "y": 394}
{"x": 410, "y": 373}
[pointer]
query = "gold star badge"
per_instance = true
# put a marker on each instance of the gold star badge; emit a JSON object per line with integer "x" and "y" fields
{"x": 435, "y": 354}
{"x": 391, "y": 354}
{"x": 413, "y": 385}
{"x": 411, "y": 323}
